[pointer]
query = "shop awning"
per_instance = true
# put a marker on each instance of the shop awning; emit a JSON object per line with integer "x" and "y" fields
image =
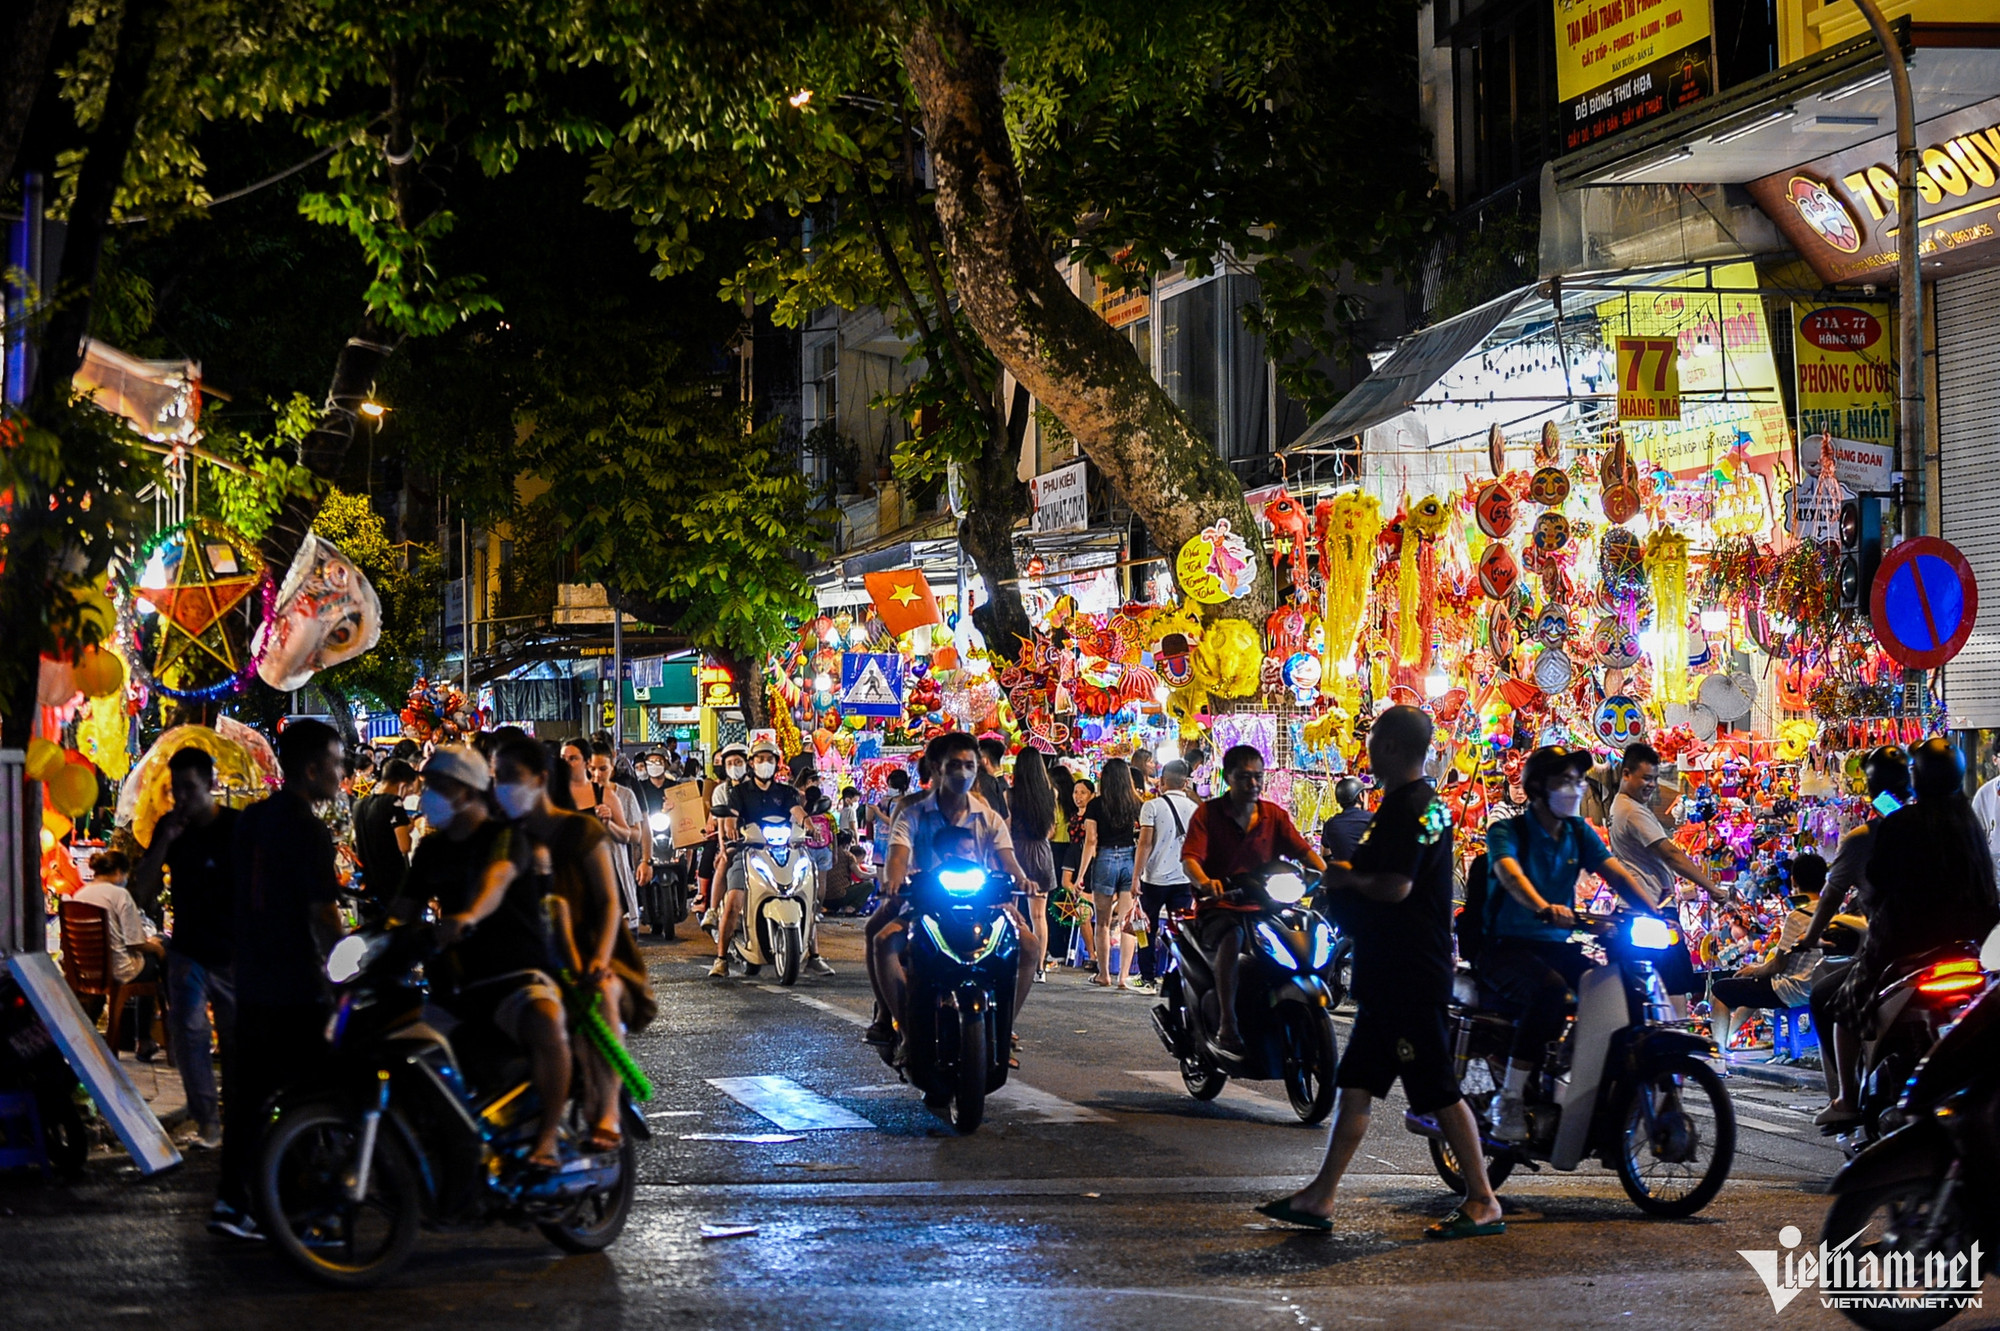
{"x": 1419, "y": 361}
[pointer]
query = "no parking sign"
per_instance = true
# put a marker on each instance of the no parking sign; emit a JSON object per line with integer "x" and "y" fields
{"x": 1924, "y": 602}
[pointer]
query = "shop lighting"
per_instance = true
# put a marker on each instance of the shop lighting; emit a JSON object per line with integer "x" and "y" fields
{"x": 823, "y": 682}
{"x": 977, "y": 666}
{"x": 1839, "y": 94}
{"x": 1783, "y": 113}
{"x": 1714, "y": 621}
{"x": 857, "y": 635}
{"x": 1436, "y": 684}
{"x": 1629, "y": 172}
{"x": 800, "y": 98}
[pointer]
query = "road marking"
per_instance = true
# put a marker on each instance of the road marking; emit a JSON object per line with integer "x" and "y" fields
{"x": 1263, "y": 1106}
{"x": 1744, "y": 1120}
{"x": 788, "y": 1104}
{"x": 831, "y": 1009}
{"x": 1024, "y": 1099}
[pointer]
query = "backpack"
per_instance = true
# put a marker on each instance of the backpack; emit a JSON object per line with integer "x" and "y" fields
{"x": 1472, "y": 923}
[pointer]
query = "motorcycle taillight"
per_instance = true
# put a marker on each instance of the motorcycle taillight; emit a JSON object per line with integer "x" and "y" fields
{"x": 1951, "y": 977}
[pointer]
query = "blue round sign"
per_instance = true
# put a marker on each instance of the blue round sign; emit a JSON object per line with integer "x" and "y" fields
{"x": 1924, "y": 602}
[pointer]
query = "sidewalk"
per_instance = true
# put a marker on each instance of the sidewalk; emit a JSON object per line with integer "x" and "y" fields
{"x": 1756, "y": 1067}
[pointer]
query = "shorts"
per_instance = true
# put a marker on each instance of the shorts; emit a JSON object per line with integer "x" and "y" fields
{"x": 732, "y": 878}
{"x": 505, "y": 1001}
{"x": 1111, "y": 871}
{"x": 1038, "y": 862}
{"x": 1407, "y": 1040}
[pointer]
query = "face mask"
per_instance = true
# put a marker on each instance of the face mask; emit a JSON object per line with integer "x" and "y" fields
{"x": 734, "y": 771}
{"x": 766, "y": 770}
{"x": 436, "y": 809}
{"x": 411, "y": 803}
{"x": 656, "y": 769}
{"x": 1565, "y": 803}
{"x": 517, "y": 799}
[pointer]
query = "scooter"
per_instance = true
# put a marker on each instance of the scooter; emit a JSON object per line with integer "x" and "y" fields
{"x": 1622, "y": 1084}
{"x": 1285, "y": 995}
{"x": 964, "y": 966}
{"x": 1929, "y": 1192}
{"x": 663, "y": 902}
{"x": 404, "y": 1126}
{"x": 780, "y": 899}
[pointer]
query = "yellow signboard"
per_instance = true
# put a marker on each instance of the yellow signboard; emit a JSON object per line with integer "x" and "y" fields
{"x": 1622, "y": 62}
{"x": 1846, "y": 389}
{"x": 1649, "y": 379}
{"x": 1728, "y": 376}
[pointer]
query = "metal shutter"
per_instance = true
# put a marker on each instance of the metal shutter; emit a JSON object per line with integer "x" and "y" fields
{"x": 1968, "y": 353}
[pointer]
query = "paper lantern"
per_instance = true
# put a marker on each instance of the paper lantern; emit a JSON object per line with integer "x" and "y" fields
{"x": 99, "y": 672}
{"x": 73, "y": 790}
{"x": 45, "y": 759}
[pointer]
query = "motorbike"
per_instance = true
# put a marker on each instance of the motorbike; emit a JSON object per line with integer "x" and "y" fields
{"x": 407, "y": 1125}
{"x": 963, "y": 963}
{"x": 1929, "y": 1191}
{"x": 31, "y": 1063}
{"x": 1621, "y": 1084}
{"x": 1286, "y": 989}
{"x": 663, "y": 902}
{"x": 780, "y": 899}
{"x": 1916, "y": 1000}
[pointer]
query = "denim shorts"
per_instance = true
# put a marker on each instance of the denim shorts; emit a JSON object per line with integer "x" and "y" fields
{"x": 1111, "y": 871}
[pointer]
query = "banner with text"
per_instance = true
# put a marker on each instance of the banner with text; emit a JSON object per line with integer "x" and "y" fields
{"x": 1620, "y": 63}
{"x": 1846, "y": 388}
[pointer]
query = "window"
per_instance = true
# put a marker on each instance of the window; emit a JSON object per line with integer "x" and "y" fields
{"x": 1189, "y": 359}
{"x": 1214, "y": 368}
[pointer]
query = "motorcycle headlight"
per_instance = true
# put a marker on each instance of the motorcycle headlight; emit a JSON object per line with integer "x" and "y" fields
{"x": 777, "y": 836}
{"x": 351, "y": 955}
{"x": 961, "y": 882}
{"x": 1322, "y": 944}
{"x": 995, "y": 935}
{"x": 1650, "y": 933}
{"x": 1274, "y": 946}
{"x": 1285, "y": 888}
{"x": 659, "y": 821}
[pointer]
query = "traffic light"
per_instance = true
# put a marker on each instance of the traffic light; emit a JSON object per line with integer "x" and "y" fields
{"x": 1860, "y": 549}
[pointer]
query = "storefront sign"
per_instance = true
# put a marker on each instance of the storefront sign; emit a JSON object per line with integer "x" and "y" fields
{"x": 871, "y": 684}
{"x": 1729, "y": 394}
{"x": 1649, "y": 379}
{"x": 1840, "y": 211}
{"x": 1620, "y": 63}
{"x": 1062, "y": 500}
{"x": 1846, "y": 388}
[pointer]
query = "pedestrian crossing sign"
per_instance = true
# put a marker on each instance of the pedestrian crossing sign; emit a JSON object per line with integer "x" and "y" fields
{"x": 871, "y": 684}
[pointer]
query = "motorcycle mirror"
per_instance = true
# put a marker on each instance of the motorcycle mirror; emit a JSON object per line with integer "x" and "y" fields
{"x": 1989, "y": 952}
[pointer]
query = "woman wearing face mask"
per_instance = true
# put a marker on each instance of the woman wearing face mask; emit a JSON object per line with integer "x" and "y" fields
{"x": 1528, "y": 958}
{"x": 618, "y": 809}
{"x": 572, "y": 860}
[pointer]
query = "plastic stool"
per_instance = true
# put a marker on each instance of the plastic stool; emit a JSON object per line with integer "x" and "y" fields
{"x": 21, "y": 1142}
{"x": 1792, "y": 1032}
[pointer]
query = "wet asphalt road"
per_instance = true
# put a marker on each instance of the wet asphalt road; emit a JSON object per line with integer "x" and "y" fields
{"x": 1097, "y": 1194}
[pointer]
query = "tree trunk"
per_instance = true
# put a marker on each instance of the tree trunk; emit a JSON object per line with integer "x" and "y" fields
{"x": 1075, "y": 364}
{"x": 24, "y": 69}
{"x": 749, "y": 677}
{"x": 995, "y": 499}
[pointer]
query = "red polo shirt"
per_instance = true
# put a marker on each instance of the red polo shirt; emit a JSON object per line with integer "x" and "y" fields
{"x": 1224, "y": 849}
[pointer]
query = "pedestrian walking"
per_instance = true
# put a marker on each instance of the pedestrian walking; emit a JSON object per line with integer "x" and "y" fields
{"x": 1033, "y": 810}
{"x": 1110, "y": 835}
{"x": 1163, "y": 880}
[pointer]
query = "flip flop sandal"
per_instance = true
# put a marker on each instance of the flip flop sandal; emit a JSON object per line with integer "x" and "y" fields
{"x": 1459, "y": 1225}
{"x": 1100, "y": 981}
{"x": 1281, "y": 1210}
{"x": 602, "y": 1142}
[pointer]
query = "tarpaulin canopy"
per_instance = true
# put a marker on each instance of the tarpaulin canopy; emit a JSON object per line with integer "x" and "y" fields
{"x": 1419, "y": 361}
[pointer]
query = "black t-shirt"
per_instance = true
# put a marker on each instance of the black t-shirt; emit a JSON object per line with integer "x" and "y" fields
{"x": 748, "y": 804}
{"x": 283, "y": 870}
{"x": 652, "y": 798}
{"x": 1402, "y": 949}
{"x": 1110, "y": 835}
{"x": 1342, "y": 833}
{"x": 204, "y": 896}
{"x": 383, "y": 866}
{"x": 450, "y": 873}
{"x": 993, "y": 790}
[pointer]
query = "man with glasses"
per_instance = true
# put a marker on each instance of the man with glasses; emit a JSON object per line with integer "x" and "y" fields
{"x": 1529, "y": 958}
{"x": 1238, "y": 832}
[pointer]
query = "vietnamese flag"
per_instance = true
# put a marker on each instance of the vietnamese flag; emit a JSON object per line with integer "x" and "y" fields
{"x": 903, "y": 599}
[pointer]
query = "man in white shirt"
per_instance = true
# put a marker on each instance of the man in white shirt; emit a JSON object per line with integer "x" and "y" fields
{"x": 1986, "y": 807}
{"x": 1643, "y": 846}
{"x": 134, "y": 947}
{"x": 1163, "y": 880}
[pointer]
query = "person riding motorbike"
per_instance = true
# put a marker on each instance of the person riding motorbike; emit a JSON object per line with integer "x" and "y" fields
{"x": 1528, "y": 958}
{"x": 732, "y": 767}
{"x": 493, "y": 968}
{"x": 1235, "y": 833}
{"x": 762, "y": 796}
{"x": 1887, "y": 773}
{"x": 942, "y": 824}
{"x": 1930, "y": 880}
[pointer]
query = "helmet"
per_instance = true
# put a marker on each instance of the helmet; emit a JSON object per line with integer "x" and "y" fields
{"x": 1936, "y": 768}
{"x": 763, "y": 746}
{"x": 1550, "y": 761}
{"x": 1347, "y": 792}
{"x": 1887, "y": 769}
{"x": 728, "y": 751}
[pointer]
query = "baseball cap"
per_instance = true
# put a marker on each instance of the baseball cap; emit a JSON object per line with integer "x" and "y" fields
{"x": 460, "y": 764}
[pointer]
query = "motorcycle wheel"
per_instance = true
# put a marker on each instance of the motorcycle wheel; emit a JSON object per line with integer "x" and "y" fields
{"x": 1310, "y": 1056}
{"x": 788, "y": 952}
{"x": 1343, "y": 973}
{"x": 968, "y": 1097}
{"x": 1445, "y": 1161}
{"x": 1204, "y": 1080}
{"x": 301, "y": 1190}
{"x": 1893, "y": 1219}
{"x": 667, "y": 908}
{"x": 1663, "y": 1173}
{"x": 596, "y": 1221}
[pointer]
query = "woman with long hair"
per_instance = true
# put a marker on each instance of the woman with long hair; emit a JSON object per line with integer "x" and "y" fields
{"x": 1033, "y": 816}
{"x": 1110, "y": 834}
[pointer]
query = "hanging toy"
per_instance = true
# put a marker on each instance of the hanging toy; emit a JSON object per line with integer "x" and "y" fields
{"x": 1667, "y": 572}
{"x": 1494, "y": 509}
{"x": 1498, "y": 571}
{"x": 1347, "y": 555}
{"x": 1416, "y": 576}
{"x": 1287, "y": 517}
